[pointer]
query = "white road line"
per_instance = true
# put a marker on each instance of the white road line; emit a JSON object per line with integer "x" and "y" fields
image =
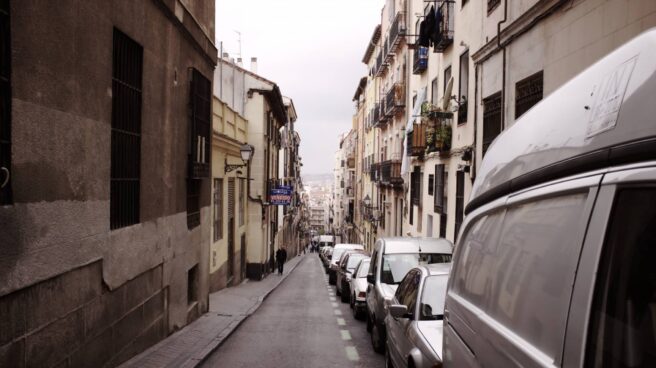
{"x": 338, "y": 312}
{"x": 352, "y": 354}
{"x": 332, "y": 299}
{"x": 341, "y": 322}
{"x": 345, "y": 334}
{"x": 335, "y": 305}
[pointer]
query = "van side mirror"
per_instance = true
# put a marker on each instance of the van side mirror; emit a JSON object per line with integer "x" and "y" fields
{"x": 370, "y": 278}
{"x": 398, "y": 311}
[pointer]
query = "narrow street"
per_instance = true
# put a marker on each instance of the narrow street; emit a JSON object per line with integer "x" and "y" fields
{"x": 301, "y": 324}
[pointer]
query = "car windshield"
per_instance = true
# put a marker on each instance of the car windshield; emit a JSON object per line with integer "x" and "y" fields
{"x": 364, "y": 269}
{"x": 432, "y": 298}
{"x": 353, "y": 261}
{"x": 337, "y": 254}
{"x": 395, "y": 266}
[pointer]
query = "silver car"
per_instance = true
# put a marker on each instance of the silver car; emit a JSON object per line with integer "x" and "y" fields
{"x": 414, "y": 319}
{"x": 359, "y": 289}
{"x": 347, "y": 266}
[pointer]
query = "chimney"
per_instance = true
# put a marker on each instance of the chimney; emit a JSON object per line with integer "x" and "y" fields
{"x": 240, "y": 63}
{"x": 254, "y": 65}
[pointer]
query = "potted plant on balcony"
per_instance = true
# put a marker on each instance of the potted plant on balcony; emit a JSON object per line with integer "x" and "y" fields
{"x": 443, "y": 138}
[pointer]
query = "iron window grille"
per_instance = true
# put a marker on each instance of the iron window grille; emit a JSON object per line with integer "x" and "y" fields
{"x": 5, "y": 105}
{"x": 528, "y": 92}
{"x": 200, "y": 127}
{"x": 218, "y": 209}
{"x": 125, "y": 180}
{"x": 491, "y": 119}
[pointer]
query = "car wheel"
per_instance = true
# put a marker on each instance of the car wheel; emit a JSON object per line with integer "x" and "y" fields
{"x": 377, "y": 338}
{"x": 388, "y": 359}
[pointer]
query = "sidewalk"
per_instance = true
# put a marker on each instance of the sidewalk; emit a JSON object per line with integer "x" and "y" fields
{"x": 228, "y": 309}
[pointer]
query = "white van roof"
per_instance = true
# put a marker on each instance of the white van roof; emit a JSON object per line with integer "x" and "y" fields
{"x": 604, "y": 116}
{"x": 326, "y": 238}
{"x": 349, "y": 246}
{"x": 399, "y": 245}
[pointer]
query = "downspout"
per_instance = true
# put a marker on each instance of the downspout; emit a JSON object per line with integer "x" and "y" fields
{"x": 503, "y": 72}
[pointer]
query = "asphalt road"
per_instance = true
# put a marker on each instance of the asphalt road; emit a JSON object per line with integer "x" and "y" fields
{"x": 301, "y": 324}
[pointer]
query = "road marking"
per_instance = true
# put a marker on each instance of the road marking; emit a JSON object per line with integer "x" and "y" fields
{"x": 352, "y": 354}
{"x": 341, "y": 322}
{"x": 338, "y": 312}
{"x": 335, "y": 305}
{"x": 345, "y": 334}
{"x": 332, "y": 299}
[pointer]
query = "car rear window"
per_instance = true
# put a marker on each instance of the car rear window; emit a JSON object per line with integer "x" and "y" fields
{"x": 395, "y": 266}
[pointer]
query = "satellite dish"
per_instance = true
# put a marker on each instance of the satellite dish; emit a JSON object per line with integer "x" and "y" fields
{"x": 446, "y": 99}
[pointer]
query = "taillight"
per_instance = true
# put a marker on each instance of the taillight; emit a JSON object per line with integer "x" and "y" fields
{"x": 362, "y": 294}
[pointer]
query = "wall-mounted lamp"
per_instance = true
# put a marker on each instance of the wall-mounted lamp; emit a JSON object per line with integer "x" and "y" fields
{"x": 246, "y": 152}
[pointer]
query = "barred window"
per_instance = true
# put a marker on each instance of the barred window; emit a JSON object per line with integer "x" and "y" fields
{"x": 217, "y": 208}
{"x": 126, "y": 131}
{"x": 5, "y": 105}
{"x": 528, "y": 92}
{"x": 491, "y": 119}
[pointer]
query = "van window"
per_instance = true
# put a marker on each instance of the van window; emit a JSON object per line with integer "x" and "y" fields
{"x": 395, "y": 266}
{"x": 523, "y": 280}
{"x": 623, "y": 326}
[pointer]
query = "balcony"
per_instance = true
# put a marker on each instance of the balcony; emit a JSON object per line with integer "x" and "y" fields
{"x": 420, "y": 60}
{"x": 445, "y": 37}
{"x": 374, "y": 172}
{"x": 438, "y": 138}
{"x": 382, "y": 117}
{"x": 395, "y": 99}
{"x": 396, "y": 32}
{"x": 417, "y": 140}
{"x": 380, "y": 66}
{"x": 390, "y": 172}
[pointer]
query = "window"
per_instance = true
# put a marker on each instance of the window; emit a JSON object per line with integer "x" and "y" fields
{"x": 463, "y": 82}
{"x": 433, "y": 296}
{"x": 438, "y": 199}
{"x": 447, "y": 76}
{"x": 408, "y": 289}
{"x": 125, "y": 171}
{"x": 396, "y": 266}
{"x": 623, "y": 319}
{"x": 5, "y": 105}
{"x": 492, "y": 4}
{"x": 431, "y": 181}
{"x": 434, "y": 92}
{"x": 491, "y": 119}
{"x": 415, "y": 190}
{"x": 192, "y": 285}
{"x": 218, "y": 209}
{"x": 444, "y": 216}
{"x": 460, "y": 201}
{"x": 199, "y": 147}
{"x": 242, "y": 201}
{"x": 528, "y": 92}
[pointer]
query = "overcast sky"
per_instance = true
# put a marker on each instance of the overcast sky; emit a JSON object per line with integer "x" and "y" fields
{"x": 313, "y": 50}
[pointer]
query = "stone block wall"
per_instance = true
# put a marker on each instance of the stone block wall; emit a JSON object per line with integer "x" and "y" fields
{"x": 74, "y": 320}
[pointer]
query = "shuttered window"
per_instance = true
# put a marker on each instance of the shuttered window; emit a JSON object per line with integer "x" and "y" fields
{"x": 127, "y": 71}
{"x": 5, "y": 105}
{"x": 438, "y": 199}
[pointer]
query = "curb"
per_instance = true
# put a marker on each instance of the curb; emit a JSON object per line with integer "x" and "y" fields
{"x": 234, "y": 325}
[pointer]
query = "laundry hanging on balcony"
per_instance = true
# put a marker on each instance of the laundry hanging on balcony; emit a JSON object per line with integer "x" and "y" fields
{"x": 405, "y": 162}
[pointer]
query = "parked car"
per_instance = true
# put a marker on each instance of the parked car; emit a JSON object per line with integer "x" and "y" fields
{"x": 391, "y": 260}
{"x": 347, "y": 265}
{"x": 358, "y": 288}
{"x": 337, "y": 254}
{"x": 555, "y": 265}
{"x": 326, "y": 256}
{"x": 414, "y": 319}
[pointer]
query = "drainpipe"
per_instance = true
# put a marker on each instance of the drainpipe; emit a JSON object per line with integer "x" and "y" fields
{"x": 503, "y": 72}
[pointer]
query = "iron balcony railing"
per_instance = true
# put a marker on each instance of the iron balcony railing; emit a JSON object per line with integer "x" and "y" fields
{"x": 420, "y": 63}
{"x": 390, "y": 171}
{"x": 381, "y": 66}
{"x": 395, "y": 99}
{"x": 382, "y": 117}
{"x": 445, "y": 27}
{"x": 417, "y": 140}
{"x": 376, "y": 114}
{"x": 374, "y": 172}
{"x": 397, "y": 31}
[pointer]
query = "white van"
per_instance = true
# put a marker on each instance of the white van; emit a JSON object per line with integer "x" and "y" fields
{"x": 556, "y": 262}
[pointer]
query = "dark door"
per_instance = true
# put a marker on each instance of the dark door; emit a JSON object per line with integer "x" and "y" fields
{"x": 231, "y": 230}
{"x": 243, "y": 257}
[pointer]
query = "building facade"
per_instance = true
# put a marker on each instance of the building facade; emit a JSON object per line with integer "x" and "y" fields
{"x": 105, "y": 202}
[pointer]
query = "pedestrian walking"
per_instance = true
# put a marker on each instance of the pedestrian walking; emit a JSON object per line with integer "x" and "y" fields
{"x": 281, "y": 257}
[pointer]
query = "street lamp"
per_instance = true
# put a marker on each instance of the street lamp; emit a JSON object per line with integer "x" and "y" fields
{"x": 246, "y": 151}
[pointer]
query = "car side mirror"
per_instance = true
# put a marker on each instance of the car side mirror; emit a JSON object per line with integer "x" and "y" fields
{"x": 370, "y": 278}
{"x": 399, "y": 311}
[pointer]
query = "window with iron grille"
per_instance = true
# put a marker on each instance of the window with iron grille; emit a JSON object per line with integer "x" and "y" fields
{"x": 492, "y": 4}
{"x": 463, "y": 82}
{"x": 5, "y": 105}
{"x": 460, "y": 201}
{"x": 217, "y": 218}
{"x": 200, "y": 126}
{"x": 491, "y": 119}
{"x": 127, "y": 72}
{"x": 528, "y": 92}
